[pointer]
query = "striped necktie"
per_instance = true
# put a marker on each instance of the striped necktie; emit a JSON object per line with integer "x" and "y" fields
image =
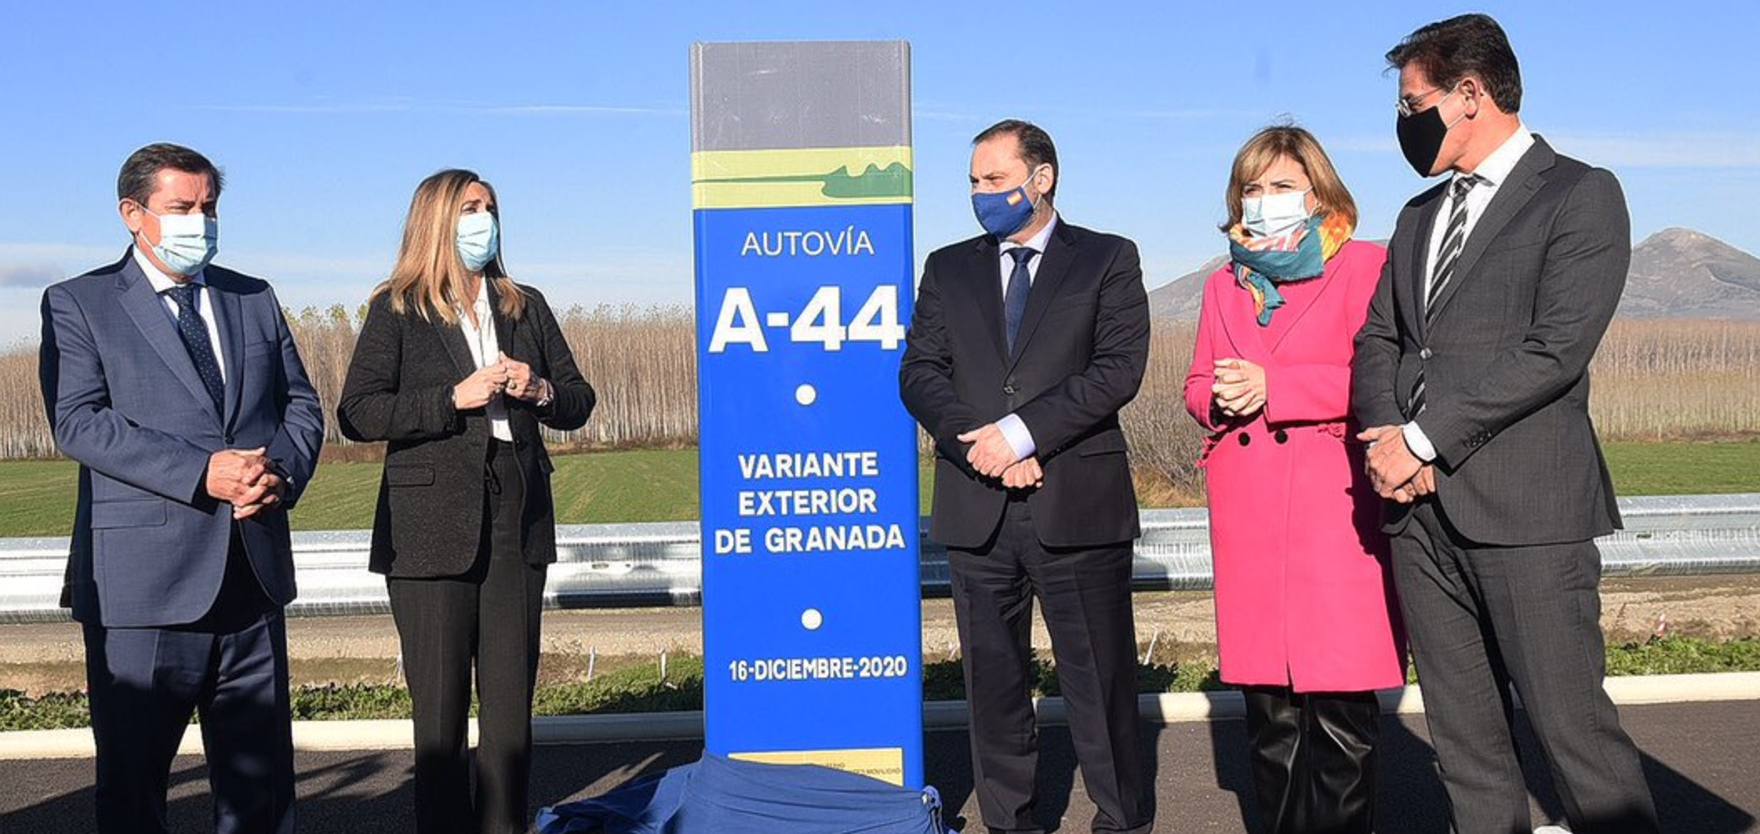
{"x": 1454, "y": 238}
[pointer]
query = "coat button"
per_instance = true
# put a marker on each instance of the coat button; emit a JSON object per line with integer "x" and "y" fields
{"x": 1281, "y": 436}
{"x": 1424, "y": 354}
{"x": 519, "y": 443}
{"x": 227, "y": 440}
{"x": 1008, "y": 389}
{"x": 1245, "y": 439}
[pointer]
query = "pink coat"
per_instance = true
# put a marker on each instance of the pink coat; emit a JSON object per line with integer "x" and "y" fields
{"x": 1304, "y": 594}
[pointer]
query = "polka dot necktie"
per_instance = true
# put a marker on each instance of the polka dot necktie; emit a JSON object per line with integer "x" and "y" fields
{"x": 194, "y": 332}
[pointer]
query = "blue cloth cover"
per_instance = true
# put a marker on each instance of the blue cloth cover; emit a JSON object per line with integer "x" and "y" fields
{"x": 716, "y": 795}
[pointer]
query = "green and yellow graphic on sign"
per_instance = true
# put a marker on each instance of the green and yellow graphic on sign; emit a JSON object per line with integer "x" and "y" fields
{"x": 801, "y": 177}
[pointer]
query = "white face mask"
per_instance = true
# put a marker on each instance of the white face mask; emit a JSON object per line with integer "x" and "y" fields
{"x": 478, "y": 240}
{"x": 1274, "y": 215}
{"x": 187, "y": 242}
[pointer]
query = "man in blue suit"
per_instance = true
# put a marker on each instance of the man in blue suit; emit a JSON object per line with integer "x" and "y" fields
{"x": 177, "y": 387}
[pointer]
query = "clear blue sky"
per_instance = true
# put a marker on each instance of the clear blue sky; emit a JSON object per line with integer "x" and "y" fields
{"x": 326, "y": 115}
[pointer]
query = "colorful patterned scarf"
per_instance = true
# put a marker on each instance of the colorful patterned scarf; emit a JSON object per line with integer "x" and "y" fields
{"x": 1261, "y": 263}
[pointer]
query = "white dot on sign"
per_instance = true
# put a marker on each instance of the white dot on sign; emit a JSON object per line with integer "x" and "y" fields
{"x": 806, "y": 394}
{"x": 812, "y": 619}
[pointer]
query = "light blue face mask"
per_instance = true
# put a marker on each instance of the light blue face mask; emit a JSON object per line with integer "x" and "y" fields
{"x": 1275, "y": 215}
{"x": 479, "y": 239}
{"x": 187, "y": 242}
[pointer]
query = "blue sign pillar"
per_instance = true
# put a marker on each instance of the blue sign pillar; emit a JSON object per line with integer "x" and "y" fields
{"x": 801, "y": 186}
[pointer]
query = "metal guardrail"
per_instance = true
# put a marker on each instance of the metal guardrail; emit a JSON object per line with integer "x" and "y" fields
{"x": 631, "y": 565}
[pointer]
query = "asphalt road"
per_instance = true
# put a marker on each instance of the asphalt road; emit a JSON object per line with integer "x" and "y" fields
{"x": 1700, "y": 759}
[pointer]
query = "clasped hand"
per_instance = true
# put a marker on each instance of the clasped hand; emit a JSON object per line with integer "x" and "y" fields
{"x": 243, "y": 478}
{"x": 1239, "y": 387}
{"x": 993, "y": 457}
{"x": 1396, "y": 473}
{"x": 504, "y": 375}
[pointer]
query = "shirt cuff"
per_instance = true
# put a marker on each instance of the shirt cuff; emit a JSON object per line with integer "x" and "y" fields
{"x": 1014, "y": 430}
{"x": 1417, "y": 442}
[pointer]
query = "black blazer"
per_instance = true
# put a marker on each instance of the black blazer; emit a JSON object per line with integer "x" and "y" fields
{"x": 1079, "y": 357}
{"x": 1506, "y": 357}
{"x": 399, "y": 389}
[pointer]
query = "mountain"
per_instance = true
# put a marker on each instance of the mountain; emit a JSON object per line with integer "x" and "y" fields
{"x": 1680, "y": 273}
{"x": 1675, "y": 273}
{"x": 1183, "y": 296}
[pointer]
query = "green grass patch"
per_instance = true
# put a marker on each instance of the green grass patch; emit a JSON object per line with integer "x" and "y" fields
{"x": 36, "y": 497}
{"x": 1684, "y": 468}
{"x": 1683, "y": 656}
{"x": 52, "y": 711}
{"x": 642, "y": 687}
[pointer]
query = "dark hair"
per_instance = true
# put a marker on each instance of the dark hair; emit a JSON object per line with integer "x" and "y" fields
{"x": 1448, "y": 50}
{"x": 1036, "y": 148}
{"x": 143, "y": 166}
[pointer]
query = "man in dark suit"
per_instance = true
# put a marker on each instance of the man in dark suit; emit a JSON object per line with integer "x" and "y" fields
{"x": 1025, "y": 343}
{"x": 177, "y": 387}
{"x": 1471, "y": 375}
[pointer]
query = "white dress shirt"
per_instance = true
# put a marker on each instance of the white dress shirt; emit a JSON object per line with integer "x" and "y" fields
{"x": 1014, "y": 430}
{"x": 486, "y": 351}
{"x": 162, "y": 284}
{"x": 1492, "y": 173}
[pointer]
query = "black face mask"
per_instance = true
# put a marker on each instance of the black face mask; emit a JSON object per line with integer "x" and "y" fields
{"x": 1420, "y": 138}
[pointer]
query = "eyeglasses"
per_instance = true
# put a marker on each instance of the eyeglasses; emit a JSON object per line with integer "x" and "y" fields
{"x": 1408, "y": 105}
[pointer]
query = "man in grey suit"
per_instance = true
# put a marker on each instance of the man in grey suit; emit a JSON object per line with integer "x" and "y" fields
{"x": 1471, "y": 375}
{"x": 177, "y": 387}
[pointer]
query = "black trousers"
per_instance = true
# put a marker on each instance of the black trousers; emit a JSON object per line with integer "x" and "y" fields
{"x": 488, "y": 617}
{"x": 1482, "y": 618}
{"x": 230, "y": 667}
{"x": 1313, "y": 756}
{"x": 1087, "y": 609}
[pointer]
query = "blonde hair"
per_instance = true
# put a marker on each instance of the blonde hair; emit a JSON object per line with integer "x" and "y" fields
{"x": 1265, "y": 148}
{"x": 429, "y": 277}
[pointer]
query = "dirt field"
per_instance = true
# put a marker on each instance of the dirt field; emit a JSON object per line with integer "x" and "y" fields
{"x": 45, "y": 657}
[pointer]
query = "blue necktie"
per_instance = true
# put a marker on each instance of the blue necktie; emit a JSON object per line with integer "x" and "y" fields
{"x": 194, "y": 332}
{"x": 1020, "y": 282}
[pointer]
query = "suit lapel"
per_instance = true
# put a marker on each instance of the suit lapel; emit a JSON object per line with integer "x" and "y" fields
{"x": 1419, "y": 256}
{"x": 229, "y": 317}
{"x": 1299, "y": 313}
{"x": 150, "y": 316}
{"x": 984, "y": 267}
{"x": 503, "y": 326}
{"x": 452, "y": 337}
{"x": 1060, "y": 252}
{"x": 1241, "y": 322}
{"x": 1524, "y": 181}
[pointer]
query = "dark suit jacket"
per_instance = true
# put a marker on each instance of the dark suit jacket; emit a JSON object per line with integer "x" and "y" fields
{"x": 399, "y": 389}
{"x": 1079, "y": 357}
{"x": 149, "y": 544}
{"x": 1506, "y": 359}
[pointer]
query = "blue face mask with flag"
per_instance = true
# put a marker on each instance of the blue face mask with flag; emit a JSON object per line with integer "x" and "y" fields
{"x": 1005, "y": 212}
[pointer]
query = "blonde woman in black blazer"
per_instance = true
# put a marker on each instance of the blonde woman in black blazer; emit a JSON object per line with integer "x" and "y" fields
{"x": 456, "y": 367}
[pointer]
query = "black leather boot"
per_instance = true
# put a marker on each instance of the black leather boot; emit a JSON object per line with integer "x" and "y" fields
{"x": 1274, "y": 735}
{"x": 1339, "y": 743}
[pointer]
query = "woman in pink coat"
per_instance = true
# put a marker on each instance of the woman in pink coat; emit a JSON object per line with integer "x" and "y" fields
{"x": 1304, "y": 603}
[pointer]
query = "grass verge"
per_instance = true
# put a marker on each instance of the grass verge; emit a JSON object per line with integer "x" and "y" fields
{"x": 36, "y": 496}
{"x": 642, "y": 688}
